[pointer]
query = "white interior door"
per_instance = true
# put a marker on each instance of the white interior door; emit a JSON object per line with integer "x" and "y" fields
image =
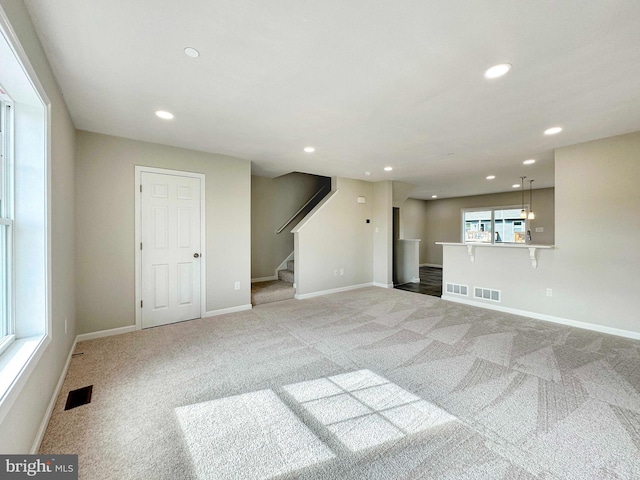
{"x": 170, "y": 250}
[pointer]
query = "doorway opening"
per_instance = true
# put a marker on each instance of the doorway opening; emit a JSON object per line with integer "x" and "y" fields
{"x": 430, "y": 282}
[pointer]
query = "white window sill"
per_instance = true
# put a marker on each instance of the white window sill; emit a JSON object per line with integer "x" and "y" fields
{"x": 16, "y": 364}
{"x": 5, "y": 343}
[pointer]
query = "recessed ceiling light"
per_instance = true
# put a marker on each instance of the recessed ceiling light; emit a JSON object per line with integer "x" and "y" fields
{"x": 497, "y": 70}
{"x": 367, "y": 173}
{"x": 515, "y": 185}
{"x": 490, "y": 177}
{"x": 191, "y": 52}
{"x": 434, "y": 196}
{"x": 309, "y": 149}
{"x": 164, "y": 114}
{"x": 388, "y": 169}
{"x": 529, "y": 162}
{"x": 552, "y": 130}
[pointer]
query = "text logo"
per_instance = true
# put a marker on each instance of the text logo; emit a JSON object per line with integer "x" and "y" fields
{"x": 51, "y": 467}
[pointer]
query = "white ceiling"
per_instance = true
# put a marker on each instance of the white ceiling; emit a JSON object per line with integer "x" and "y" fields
{"x": 369, "y": 83}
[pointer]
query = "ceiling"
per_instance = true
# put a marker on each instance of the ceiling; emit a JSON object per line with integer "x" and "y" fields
{"x": 368, "y": 83}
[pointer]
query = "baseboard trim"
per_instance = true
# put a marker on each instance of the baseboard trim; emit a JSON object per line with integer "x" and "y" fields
{"x": 263, "y": 279}
{"x": 105, "y": 333}
{"x": 548, "y": 318}
{"x": 223, "y": 311}
{"x": 52, "y": 402}
{"x": 333, "y": 290}
{"x": 383, "y": 285}
{"x": 434, "y": 265}
{"x": 132, "y": 328}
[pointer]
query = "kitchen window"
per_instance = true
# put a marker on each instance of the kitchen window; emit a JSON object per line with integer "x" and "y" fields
{"x": 494, "y": 225}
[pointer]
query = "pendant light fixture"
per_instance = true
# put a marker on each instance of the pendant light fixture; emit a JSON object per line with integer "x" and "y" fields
{"x": 532, "y": 216}
{"x": 523, "y": 212}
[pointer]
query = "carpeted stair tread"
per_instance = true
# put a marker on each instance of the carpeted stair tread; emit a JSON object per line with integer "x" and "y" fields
{"x": 286, "y": 276}
{"x": 271, "y": 291}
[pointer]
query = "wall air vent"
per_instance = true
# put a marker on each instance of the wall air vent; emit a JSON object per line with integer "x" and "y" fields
{"x": 486, "y": 294}
{"x": 457, "y": 289}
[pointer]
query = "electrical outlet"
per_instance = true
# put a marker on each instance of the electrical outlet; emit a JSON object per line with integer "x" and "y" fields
{"x": 342, "y": 271}
{"x": 539, "y": 229}
{"x": 237, "y": 286}
{"x": 549, "y": 292}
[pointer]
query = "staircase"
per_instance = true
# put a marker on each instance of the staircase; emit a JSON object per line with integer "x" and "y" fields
{"x": 275, "y": 290}
{"x": 287, "y": 275}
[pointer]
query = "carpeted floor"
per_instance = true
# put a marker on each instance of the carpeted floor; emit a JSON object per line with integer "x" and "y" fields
{"x": 367, "y": 384}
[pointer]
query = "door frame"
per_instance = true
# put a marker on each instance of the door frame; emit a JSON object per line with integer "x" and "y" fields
{"x": 139, "y": 170}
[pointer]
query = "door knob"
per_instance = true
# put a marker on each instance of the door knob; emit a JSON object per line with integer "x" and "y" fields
{"x": 196, "y": 255}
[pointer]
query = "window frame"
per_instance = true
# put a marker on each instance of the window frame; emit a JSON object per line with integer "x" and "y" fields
{"x": 23, "y": 356}
{"x": 491, "y": 209}
{"x": 7, "y": 316}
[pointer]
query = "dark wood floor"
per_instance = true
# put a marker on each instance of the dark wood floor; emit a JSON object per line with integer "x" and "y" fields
{"x": 430, "y": 282}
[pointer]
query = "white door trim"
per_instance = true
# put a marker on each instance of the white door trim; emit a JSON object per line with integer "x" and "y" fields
{"x": 139, "y": 170}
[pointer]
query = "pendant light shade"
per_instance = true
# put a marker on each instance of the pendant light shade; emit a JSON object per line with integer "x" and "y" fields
{"x": 523, "y": 212}
{"x": 532, "y": 215}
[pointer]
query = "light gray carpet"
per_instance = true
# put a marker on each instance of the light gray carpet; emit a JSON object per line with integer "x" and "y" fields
{"x": 271, "y": 291}
{"x": 367, "y": 384}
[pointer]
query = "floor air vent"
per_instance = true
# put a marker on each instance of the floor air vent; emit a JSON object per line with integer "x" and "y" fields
{"x": 78, "y": 397}
{"x": 457, "y": 289}
{"x": 486, "y": 294}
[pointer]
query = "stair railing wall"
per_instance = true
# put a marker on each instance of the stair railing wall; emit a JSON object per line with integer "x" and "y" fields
{"x": 301, "y": 209}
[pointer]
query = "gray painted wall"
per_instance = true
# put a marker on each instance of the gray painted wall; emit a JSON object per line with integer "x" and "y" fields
{"x": 105, "y": 225}
{"x": 508, "y": 270}
{"x": 415, "y": 223}
{"x": 440, "y": 220}
{"x": 382, "y": 233}
{"x": 407, "y": 263}
{"x": 401, "y": 192}
{"x": 335, "y": 236}
{"x": 20, "y": 427}
{"x": 273, "y": 201}
{"x": 597, "y": 232}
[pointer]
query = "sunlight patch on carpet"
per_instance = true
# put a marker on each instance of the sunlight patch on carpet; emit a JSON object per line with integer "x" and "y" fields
{"x": 364, "y": 410}
{"x": 253, "y": 435}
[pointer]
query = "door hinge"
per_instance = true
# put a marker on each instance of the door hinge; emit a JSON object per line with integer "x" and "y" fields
{"x": 140, "y": 245}
{"x": 140, "y": 303}
{"x": 140, "y": 188}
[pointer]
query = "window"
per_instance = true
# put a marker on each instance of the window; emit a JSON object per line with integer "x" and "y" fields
{"x": 477, "y": 226}
{"x": 25, "y": 289}
{"x": 6, "y": 222}
{"x": 494, "y": 225}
